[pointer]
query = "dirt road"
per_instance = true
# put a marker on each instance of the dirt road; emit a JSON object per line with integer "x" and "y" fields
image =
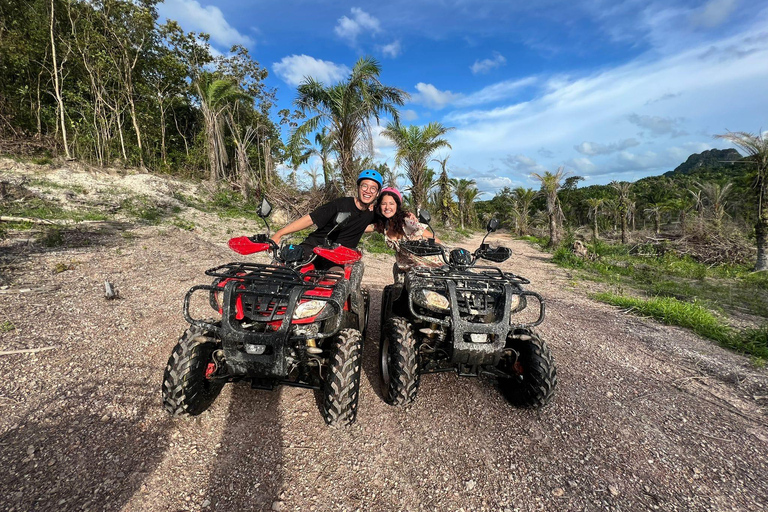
{"x": 645, "y": 416}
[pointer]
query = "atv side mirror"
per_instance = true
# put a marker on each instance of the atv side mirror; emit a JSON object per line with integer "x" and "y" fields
{"x": 424, "y": 217}
{"x": 493, "y": 225}
{"x": 265, "y": 209}
{"x": 338, "y": 220}
{"x": 341, "y": 217}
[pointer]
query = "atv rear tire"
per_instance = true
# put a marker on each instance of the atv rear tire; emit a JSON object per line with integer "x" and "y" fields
{"x": 186, "y": 390}
{"x": 533, "y": 377}
{"x": 398, "y": 362}
{"x": 342, "y": 385}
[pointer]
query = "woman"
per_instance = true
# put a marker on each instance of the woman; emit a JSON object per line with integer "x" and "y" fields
{"x": 397, "y": 225}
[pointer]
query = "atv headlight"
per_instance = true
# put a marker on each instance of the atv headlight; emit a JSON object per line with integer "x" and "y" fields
{"x": 434, "y": 301}
{"x": 309, "y": 308}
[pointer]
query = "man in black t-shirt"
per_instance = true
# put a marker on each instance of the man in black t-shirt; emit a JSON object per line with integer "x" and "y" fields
{"x": 349, "y": 234}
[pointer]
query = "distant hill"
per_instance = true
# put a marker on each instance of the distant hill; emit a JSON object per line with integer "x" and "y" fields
{"x": 710, "y": 159}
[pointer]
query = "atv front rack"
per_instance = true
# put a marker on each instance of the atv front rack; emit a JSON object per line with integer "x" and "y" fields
{"x": 256, "y": 298}
{"x": 472, "y": 293}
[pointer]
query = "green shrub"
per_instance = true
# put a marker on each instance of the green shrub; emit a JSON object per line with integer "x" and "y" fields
{"x": 52, "y": 237}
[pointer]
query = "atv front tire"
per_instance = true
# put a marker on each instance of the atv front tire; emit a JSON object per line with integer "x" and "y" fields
{"x": 399, "y": 362}
{"x": 342, "y": 385}
{"x": 186, "y": 390}
{"x": 533, "y": 376}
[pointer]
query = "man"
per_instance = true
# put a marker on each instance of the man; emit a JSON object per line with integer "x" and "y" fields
{"x": 361, "y": 207}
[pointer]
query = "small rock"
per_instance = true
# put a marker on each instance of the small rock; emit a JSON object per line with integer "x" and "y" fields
{"x": 30, "y": 450}
{"x": 470, "y": 485}
{"x": 558, "y": 492}
{"x": 278, "y": 506}
{"x": 206, "y": 504}
{"x": 613, "y": 490}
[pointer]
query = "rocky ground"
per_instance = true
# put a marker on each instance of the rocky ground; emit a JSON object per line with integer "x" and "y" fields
{"x": 645, "y": 416}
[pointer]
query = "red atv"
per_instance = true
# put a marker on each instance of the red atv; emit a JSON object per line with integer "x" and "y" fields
{"x": 281, "y": 323}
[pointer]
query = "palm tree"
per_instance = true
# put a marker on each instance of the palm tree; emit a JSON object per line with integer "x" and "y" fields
{"x": 756, "y": 147}
{"x": 348, "y": 108}
{"x": 622, "y": 205}
{"x": 414, "y": 147}
{"x": 470, "y": 195}
{"x": 716, "y": 195}
{"x": 216, "y": 95}
{"x": 698, "y": 203}
{"x": 323, "y": 150}
{"x": 463, "y": 191}
{"x": 594, "y": 204}
{"x": 446, "y": 207}
{"x": 654, "y": 211}
{"x": 297, "y": 153}
{"x": 550, "y": 184}
{"x": 682, "y": 205}
{"x": 523, "y": 200}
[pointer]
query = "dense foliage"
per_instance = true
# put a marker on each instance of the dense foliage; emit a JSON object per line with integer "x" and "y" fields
{"x": 101, "y": 81}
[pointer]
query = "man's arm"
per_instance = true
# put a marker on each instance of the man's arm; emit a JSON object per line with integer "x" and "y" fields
{"x": 297, "y": 225}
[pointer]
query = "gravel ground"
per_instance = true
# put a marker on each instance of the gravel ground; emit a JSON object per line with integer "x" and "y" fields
{"x": 645, "y": 416}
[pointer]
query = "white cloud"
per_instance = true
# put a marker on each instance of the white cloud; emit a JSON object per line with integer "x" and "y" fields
{"x": 432, "y": 97}
{"x": 294, "y": 68}
{"x": 409, "y": 115}
{"x": 718, "y": 85}
{"x": 485, "y": 65}
{"x": 714, "y": 13}
{"x": 658, "y": 125}
{"x": 595, "y": 148}
{"x": 209, "y": 19}
{"x": 523, "y": 164}
{"x": 495, "y": 92}
{"x": 350, "y": 28}
{"x": 491, "y": 184}
{"x": 581, "y": 165}
{"x": 392, "y": 49}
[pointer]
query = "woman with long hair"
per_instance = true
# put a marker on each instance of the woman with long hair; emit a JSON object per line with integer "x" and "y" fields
{"x": 397, "y": 224}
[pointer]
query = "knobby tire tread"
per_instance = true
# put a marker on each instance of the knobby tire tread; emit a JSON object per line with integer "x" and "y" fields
{"x": 404, "y": 363}
{"x": 185, "y": 389}
{"x": 540, "y": 381}
{"x": 342, "y": 386}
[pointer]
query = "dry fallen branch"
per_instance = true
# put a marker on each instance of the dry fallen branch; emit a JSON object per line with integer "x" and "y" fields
{"x": 26, "y": 351}
{"x": 58, "y": 222}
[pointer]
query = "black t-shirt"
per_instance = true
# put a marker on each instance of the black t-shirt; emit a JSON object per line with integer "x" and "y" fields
{"x": 349, "y": 233}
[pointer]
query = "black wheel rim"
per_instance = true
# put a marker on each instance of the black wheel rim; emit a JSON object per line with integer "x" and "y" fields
{"x": 385, "y": 360}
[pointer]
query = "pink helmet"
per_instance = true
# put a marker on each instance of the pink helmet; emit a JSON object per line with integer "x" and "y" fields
{"x": 394, "y": 192}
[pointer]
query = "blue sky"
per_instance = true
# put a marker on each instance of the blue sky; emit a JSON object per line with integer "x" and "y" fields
{"x": 610, "y": 90}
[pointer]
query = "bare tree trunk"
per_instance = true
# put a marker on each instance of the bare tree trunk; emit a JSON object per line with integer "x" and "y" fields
{"x": 57, "y": 86}
{"x": 623, "y": 229}
{"x": 594, "y": 228}
{"x": 552, "y": 230}
{"x": 761, "y": 226}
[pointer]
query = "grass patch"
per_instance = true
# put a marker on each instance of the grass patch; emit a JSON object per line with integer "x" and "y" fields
{"x": 696, "y": 317}
{"x": 728, "y": 288}
{"x": 374, "y": 243}
{"x": 43, "y": 183}
{"x": 36, "y": 208}
{"x": 7, "y": 326}
{"x": 183, "y": 224}
{"x": 142, "y": 208}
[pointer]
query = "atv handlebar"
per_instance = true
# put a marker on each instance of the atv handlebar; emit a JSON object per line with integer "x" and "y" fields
{"x": 458, "y": 257}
